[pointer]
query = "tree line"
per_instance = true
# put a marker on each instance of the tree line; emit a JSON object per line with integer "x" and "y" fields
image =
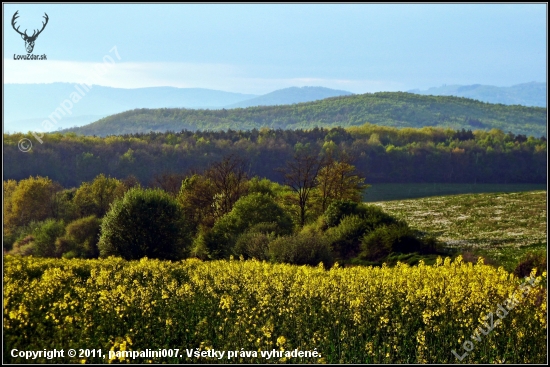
{"x": 382, "y": 154}
{"x": 316, "y": 215}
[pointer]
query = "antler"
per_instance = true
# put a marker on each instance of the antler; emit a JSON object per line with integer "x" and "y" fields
{"x": 34, "y": 35}
{"x": 15, "y": 16}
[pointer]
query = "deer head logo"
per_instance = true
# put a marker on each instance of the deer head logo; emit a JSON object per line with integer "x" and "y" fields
{"x": 29, "y": 40}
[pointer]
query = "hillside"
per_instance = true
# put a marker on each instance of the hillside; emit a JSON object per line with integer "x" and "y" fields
{"x": 290, "y": 96}
{"x": 397, "y": 109}
{"x": 525, "y": 94}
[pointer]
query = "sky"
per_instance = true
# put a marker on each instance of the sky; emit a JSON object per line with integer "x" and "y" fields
{"x": 259, "y": 48}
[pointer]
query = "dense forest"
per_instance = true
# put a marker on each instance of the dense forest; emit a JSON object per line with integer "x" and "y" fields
{"x": 381, "y": 154}
{"x": 395, "y": 109}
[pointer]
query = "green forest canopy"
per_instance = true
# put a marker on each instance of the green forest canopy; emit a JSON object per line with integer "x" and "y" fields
{"x": 381, "y": 154}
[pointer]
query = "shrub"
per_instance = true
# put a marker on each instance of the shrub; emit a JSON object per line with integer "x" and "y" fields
{"x": 338, "y": 210}
{"x": 372, "y": 214}
{"x": 253, "y": 245}
{"x": 536, "y": 259}
{"x": 41, "y": 239}
{"x": 252, "y": 211}
{"x": 24, "y": 247}
{"x": 144, "y": 223}
{"x": 80, "y": 239}
{"x": 395, "y": 238}
{"x": 346, "y": 237}
{"x": 18, "y": 234}
{"x": 301, "y": 249}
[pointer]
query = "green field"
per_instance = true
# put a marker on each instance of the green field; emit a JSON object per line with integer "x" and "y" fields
{"x": 398, "y": 191}
{"x": 501, "y": 226}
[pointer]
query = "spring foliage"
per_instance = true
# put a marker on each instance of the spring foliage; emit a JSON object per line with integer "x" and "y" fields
{"x": 144, "y": 223}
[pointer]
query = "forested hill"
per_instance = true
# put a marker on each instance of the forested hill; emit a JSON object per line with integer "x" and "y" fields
{"x": 398, "y": 109}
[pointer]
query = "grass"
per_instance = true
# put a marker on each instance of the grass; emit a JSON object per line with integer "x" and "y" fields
{"x": 499, "y": 226}
{"x": 385, "y": 192}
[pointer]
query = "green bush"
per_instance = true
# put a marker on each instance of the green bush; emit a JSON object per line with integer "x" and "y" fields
{"x": 258, "y": 211}
{"x": 80, "y": 239}
{"x": 372, "y": 214}
{"x": 144, "y": 223}
{"x": 18, "y": 234}
{"x": 301, "y": 249}
{"x": 394, "y": 238}
{"x": 338, "y": 210}
{"x": 199, "y": 248}
{"x": 353, "y": 221}
{"x": 345, "y": 238}
{"x": 253, "y": 245}
{"x": 41, "y": 239}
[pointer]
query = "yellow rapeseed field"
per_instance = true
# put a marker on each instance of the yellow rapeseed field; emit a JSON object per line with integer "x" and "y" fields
{"x": 402, "y": 314}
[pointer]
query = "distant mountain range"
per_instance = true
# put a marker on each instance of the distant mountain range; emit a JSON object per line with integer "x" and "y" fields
{"x": 398, "y": 109}
{"x": 290, "y": 96}
{"x": 26, "y": 106}
{"x": 526, "y": 94}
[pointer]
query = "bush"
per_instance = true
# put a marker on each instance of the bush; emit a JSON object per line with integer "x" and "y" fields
{"x": 395, "y": 238}
{"x": 252, "y": 211}
{"x": 253, "y": 245}
{"x": 301, "y": 249}
{"x": 41, "y": 239}
{"x": 18, "y": 234}
{"x": 80, "y": 239}
{"x": 23, "y": 247}
{"x": 338, "y": 210}
{"x": 536, "y": 259}
{"x": 144, "y": 223}
{"x": 372, "y": 214}
{"x": 346, "y": 237}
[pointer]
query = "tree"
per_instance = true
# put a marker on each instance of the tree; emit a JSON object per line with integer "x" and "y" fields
{"x": 94, "y": 198}
{"x": 169, "y": 182}
{"x": 144, "y": 223}
{"x": 229, "y": 178}
{"x": 196, "y": 198}
{"x": 339, "y": 180}
{"x": 131, "y": 181}
{"x": 300, "y": 174}
{"x": 31, "y": 200}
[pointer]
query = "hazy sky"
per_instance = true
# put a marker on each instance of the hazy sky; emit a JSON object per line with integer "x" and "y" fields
{"x": 263, "y": 47}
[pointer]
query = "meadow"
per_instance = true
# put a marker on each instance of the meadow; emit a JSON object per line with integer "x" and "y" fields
{"x": 402, "y": 314}
{"x": 502, "y": 226}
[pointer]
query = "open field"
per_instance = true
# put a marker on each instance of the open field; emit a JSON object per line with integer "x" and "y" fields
{"x": 401, "y": 314}
{"x": 398, "y": 191}
{"x": 501, "y": 225}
